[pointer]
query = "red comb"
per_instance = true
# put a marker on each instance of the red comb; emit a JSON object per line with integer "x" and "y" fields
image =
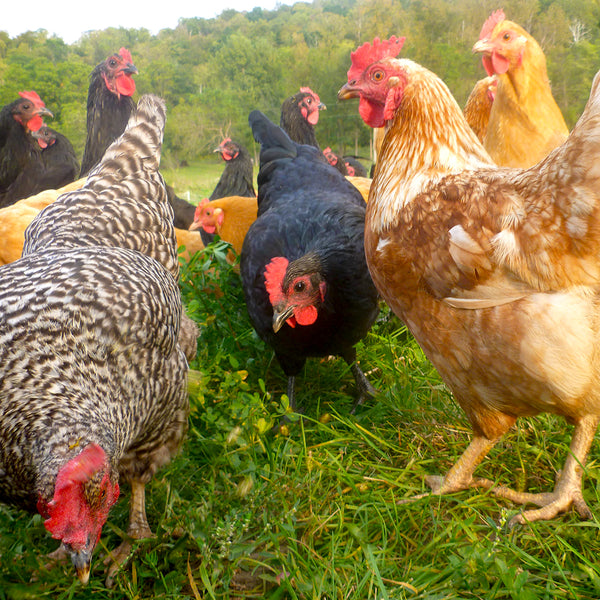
{"x": 367, "y": 54}
{"x": 307, "y": 90}
{"x": 125, "y": 55}
{"x": 496, "y": 17}
{"x": 33, "y": 97}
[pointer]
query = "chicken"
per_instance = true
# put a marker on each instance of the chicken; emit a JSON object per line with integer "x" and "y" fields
{"x": 493, "y": 270}
{"x": 109, "y": 105}
{"x": 93, "y": 368}
{"x": 525, "y": 123}
{"x": 230, "y": 218}
{"x": 300, "y": 114}
{"x": 18, "y": 150}
{"x": 237, "y": 178}
{"x": 362, "y": 184}
{"x": 15, "y": 219}
{"x": 479, "y": 105}
{"x": 354, "y": 167}
{"x": 306, "y": 283}
{"x": 58, "y": 166}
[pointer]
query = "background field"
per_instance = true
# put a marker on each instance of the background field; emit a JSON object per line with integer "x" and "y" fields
{"x": 313, "y": 513}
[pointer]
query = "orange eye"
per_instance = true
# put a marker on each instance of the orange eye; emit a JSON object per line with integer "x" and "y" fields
{"x": 377, "y": 75}
{"x": 506, "y": 37}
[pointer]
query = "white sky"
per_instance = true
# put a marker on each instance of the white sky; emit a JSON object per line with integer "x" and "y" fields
{"x": 69, "y": 19}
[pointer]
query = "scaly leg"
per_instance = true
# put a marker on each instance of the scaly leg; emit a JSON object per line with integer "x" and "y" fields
{"x": 460, "y": 476}
{"x": 567, "y": 491}
{"x": 138, "y": 530}
{"x": 365, "y": 390}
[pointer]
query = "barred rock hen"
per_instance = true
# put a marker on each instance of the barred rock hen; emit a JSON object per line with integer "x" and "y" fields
{"x": 494, "y": 270}
{"x": 93, "y": 352}
{"x": 109, "y": 104}
{"x": 237, "y": 178}
{"x": 306, "y": 283}
{"x": 18, "y": 150}
{"x": 525, "y": 123}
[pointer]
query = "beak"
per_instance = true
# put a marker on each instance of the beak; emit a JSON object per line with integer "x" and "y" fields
{"x": 322, "y": 106}
{"x": 44, "y": 111}
{"x": 279, "y": 318}
{"x": 130, "y": 69}
{"x": 347, "y": 91}
{"x": 82, "y": 561}
{"x": 195, "y": 225}
{"x": 482, "y": 46}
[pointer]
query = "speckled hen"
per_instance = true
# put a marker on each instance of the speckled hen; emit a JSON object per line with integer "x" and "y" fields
{"x": 93, "y": 344}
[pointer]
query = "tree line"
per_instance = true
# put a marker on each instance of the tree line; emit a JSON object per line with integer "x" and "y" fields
{"x": 213, "y": 72}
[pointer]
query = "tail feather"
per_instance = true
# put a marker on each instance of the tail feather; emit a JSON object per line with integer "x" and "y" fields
{"x": 124, "y": 200}
{"x": 274, "y": 141}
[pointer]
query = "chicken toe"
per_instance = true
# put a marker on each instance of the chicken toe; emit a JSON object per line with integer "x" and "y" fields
{"x": 567, "y": 491}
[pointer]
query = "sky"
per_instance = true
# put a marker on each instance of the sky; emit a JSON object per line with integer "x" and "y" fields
{"x": 70, "y": 19}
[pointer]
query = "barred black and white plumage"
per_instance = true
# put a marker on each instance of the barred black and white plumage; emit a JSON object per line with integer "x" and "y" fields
{"x": 93, "y": 375}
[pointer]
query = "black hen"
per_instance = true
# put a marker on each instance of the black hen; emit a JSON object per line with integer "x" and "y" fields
{"x": 299, "y": 115}
{"x": 238, "y": 176}
{"x": 306, "y": 283}
{"x": 18, "y": 150}
{"x": 59, "y": 161}
{"x": 109, "y": 105}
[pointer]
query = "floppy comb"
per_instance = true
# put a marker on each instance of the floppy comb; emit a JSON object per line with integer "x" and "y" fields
{"x": 32, "y": 97}
{"x": 367, "y": 54}
{"x": 490, "y": 23}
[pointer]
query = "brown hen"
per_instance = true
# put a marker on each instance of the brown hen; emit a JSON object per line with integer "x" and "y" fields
{"x": 495, "y": 271}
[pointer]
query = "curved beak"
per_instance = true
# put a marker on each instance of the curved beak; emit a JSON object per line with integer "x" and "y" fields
{"x": 45, "y": 112}
{"x": 484, "y": 46}
{"x": 280, "y": 317}
{"x": 82, "y": 561}
{"x": 130, "y": 69}
{"x": 347, "y": 91}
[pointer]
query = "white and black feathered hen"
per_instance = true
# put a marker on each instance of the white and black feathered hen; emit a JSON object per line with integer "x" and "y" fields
{"x": 93, "y": 370}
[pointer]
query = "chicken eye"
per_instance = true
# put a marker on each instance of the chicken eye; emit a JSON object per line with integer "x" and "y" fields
{"x": 506, "y": 37}
{"x": 299, "y": 286}
{"x": 112, "y": 62}
{"x": 377, "y": 75}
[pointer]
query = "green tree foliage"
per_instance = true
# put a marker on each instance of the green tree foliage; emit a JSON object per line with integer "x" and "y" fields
{"x": 213, "y": 72}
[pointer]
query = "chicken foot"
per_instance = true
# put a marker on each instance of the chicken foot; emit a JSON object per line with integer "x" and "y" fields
{"x": 138, "y": 530}
{"x": 567, "y": 491}
{"x": 460, "y": 476}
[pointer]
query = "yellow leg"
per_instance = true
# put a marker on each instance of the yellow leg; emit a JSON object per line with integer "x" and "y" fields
{"x": 138, "y": 530}
{"x": 460, "y": 476}
{"x": 568, "y": 489}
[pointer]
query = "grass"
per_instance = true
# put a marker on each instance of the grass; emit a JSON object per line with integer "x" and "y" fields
{"x": 244, "y": 512}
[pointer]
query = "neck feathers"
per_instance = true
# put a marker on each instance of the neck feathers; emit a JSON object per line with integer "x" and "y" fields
{"x": 427, "y": 139}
